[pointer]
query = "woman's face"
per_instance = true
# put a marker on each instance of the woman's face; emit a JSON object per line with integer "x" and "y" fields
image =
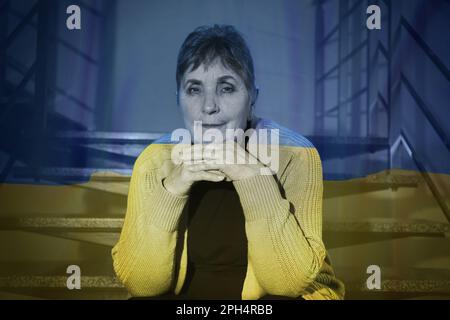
{"x": 216, "y": 96}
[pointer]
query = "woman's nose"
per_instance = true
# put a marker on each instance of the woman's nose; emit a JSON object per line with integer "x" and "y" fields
{"x": 210, "y": 106}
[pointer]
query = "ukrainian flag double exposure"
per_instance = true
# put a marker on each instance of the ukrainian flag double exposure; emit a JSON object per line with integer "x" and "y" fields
{"x": 374, "y": 104}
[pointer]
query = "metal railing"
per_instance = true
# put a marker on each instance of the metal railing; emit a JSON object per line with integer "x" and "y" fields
{"x": 38, "y": 17}
{"x": 403, "y": 140}
{"x": 387, "y": 51}
{"x": 343, "y": 58}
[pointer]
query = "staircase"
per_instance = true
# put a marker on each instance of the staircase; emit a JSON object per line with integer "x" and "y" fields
{"x": 73, "y": 215}
{"x": 67, "y": 207}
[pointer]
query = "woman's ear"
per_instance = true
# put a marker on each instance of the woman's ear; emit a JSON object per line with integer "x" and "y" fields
{"x": 178, "y": 98}
{"x": 252, "y": 104}
{"x": 255, "y": 96}
{"x": 250, "y": 112}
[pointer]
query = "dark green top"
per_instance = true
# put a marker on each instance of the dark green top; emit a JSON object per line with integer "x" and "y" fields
{"x": 216, "y": 244}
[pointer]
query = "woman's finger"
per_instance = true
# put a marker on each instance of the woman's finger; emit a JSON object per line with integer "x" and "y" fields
{"x": 204, "y": 166}
{"x": 208, "y": 176}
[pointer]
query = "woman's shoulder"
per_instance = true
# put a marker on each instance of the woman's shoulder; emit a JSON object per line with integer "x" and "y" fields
{"x": 295, "y": 150}
{"x": 165, "y": 139}
{"x": 155, "y": 153}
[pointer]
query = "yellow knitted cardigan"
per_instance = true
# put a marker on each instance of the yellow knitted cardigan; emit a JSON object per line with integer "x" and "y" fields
{"x": 283, "y": 224}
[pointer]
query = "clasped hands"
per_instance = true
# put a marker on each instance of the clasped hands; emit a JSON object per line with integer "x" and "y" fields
{"x": 214, "y": 162}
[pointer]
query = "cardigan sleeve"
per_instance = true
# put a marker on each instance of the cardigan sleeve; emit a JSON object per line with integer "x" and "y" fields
{"x": 284, "y": 225}
{"x": 144, "y": 256}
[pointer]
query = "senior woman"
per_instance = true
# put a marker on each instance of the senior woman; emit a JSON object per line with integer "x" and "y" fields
{"x": 219, "y": 230}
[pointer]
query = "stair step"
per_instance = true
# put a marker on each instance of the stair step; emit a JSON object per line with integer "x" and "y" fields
{"x": 126, "y": 150}
{"x": 108, "y": 239}
{"x": 329, "y": 147}
{"x": 62, "y": 224}
{"x": 411, "y": 252}
{"x": 147, "y": 137}
{"x": 116, "y": 188}
{"x": 336, "y": 234}
{"x": 371, "y": 183}
{"x": 400, "y": 280}
{"x": 30, "y": 281}
{"x": 91, "y": 137}
{"x": 405, "y": 286}
{"x": 117, "y": 180}
{"x": 389, "y": 226}
{"x": 75, "y": 174}
{"x": 96, "y": 265}
{"x": 115, "y": 224}
{"x": 17, "y": 296}
{"x": 414, "y": 286}
{"x": 120, "y": 150}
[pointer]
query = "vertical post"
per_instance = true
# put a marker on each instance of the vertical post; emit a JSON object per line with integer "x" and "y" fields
{"x": 343, "y": 70}
{"x": 3, "y": 36}
{"x": 389, "y": 80}
{"x": 319, "y": 66}
{"x": 368, "y": 78}
{"x": 339, "y": 78}
{"x": 44, "y": 79}
{"x": 4, "y": 95}
{"x": 104, "y": 98}
{"x": 355, "y": 70}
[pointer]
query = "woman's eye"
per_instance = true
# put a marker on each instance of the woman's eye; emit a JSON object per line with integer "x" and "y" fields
{"x": 193, "y": 90}
{"x": 227, "y": 89}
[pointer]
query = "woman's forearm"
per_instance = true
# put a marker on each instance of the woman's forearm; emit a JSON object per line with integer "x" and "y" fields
{"x": 284, "y": 234}
{"x": 144, "y": 257}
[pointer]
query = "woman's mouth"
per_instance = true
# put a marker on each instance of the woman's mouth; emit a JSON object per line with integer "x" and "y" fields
{"x": 207, "y": 126}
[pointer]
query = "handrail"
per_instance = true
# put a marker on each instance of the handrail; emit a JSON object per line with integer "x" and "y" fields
{"x": 380, "y": 48}
{"x": 426, "y": 48}
{"x": 343, "y": 60}
{"x": 7, "y": 168}
{"x": 336, "y": 28}
{"x": 30, "y": 72}
{"x": 426, "y": 111}
{"x": 17, "y": 66}
{"x": 63, "y": 42}
{"x": 430, "y": 54}
{"x": 417, "y": 38}
{"x": 92, "y": 10}
{"x": 403, "y": 140}
{"x": 346, "y": 101}
{"x": 381, "y": 99}
{"x": 21, "y": 25}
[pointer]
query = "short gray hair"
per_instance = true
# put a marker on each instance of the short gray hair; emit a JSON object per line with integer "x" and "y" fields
{"x": 206, "y": 43}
